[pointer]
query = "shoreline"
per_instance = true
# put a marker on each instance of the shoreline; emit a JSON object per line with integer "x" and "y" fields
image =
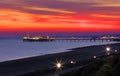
{"x": 20, "y": 66}
{"x": 31, "y": 49}
{"x": 68, "y": 50}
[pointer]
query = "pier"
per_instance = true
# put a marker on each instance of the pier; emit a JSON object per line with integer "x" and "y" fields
{"x": 84, "y": 39}
{"x": 47, "y": 38}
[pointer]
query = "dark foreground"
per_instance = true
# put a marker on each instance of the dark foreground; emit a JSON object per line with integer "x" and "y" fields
{"x": 106, "y": 66}
{"x": 84, "y": 64}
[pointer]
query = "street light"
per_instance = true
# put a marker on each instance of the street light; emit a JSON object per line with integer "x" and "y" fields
{"x": 72, "y": 62}
{"x": 94, "y": 57}
{"x": 116, "y": 51}
{"x": 108, "y": 49}
{"x": 58, "y": 65}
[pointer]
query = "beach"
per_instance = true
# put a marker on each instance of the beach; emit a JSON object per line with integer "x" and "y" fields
{"x": 31, "y": 64}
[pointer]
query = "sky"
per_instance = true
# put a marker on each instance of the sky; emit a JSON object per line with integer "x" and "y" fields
{"x": 59, "y": 17}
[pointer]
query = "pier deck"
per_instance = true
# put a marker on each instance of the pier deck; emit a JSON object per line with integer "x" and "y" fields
{"x": 71, "y": 39}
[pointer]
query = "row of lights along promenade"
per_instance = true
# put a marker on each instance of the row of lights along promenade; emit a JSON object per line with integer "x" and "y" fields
{"x": 108, "y": 53}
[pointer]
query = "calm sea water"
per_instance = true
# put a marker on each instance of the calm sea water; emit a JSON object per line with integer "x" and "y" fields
{"x": 11, "y": 49}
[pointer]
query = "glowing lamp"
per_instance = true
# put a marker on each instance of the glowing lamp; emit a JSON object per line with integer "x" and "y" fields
{"x": 59, "y": 65}
{"x": 115, "y": 50}
{"x": 94, "y": 57}
{"x": 108, "y": 49}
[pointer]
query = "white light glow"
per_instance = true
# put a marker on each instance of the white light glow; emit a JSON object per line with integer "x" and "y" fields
{"x": 108, "y": 49}
{"x": 58, "y": 65}
{"x": 94, "y": 57}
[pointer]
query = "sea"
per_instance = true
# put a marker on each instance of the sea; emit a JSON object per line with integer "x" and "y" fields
{"x": 16, "y": 48}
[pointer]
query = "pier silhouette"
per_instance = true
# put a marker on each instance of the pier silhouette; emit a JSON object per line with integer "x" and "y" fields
{"x": 47, "y": 38}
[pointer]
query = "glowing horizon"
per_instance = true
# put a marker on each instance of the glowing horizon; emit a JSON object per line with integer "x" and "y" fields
{"x": 20, "y": 16}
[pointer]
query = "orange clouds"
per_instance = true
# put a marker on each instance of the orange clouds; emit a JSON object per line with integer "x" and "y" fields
{"x": 50, "y": 10}
{"x": 12, "y": 20}
{"x": 96, "y": 3}
{"x": 13, "y": 15}
{"x": 106, "y": 16}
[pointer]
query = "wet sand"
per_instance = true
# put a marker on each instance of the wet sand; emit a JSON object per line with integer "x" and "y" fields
{"x": 20, "y": 66}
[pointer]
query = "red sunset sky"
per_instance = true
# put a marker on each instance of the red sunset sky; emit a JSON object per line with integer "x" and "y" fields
{"x": 22, "y": 16}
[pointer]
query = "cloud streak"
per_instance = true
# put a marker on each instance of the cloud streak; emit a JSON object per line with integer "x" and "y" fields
{"x": 50, "y": 10}
{"x": 106, "y": 16}
{"x": 62, "y": 15}
{"x": 97, "y": 3}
